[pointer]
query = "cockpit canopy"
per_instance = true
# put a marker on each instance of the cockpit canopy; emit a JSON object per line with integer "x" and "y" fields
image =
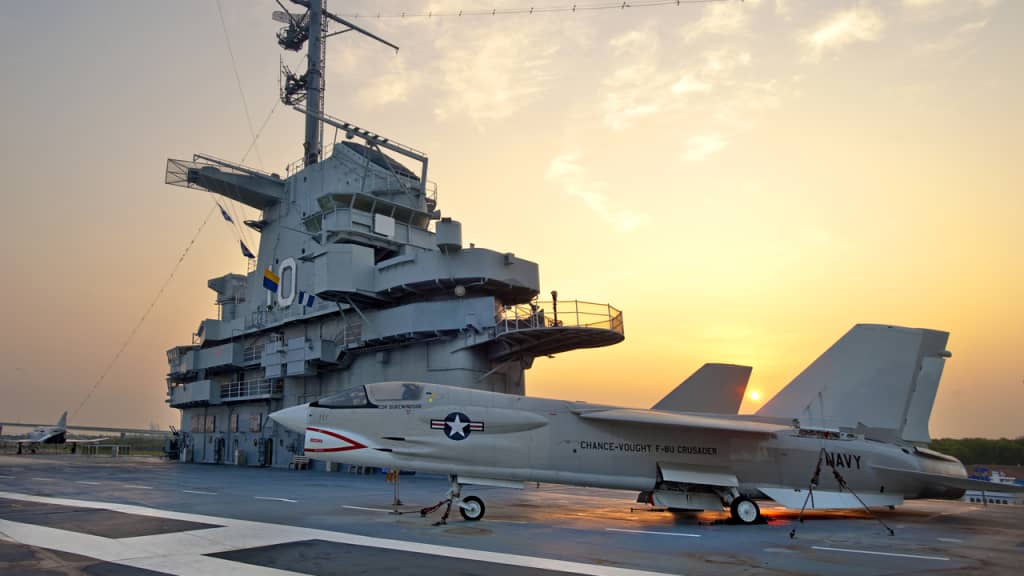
{"x": 371, "y": 395}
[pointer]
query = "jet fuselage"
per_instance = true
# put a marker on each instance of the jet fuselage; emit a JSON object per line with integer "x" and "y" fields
{"x": 476, "y": 434}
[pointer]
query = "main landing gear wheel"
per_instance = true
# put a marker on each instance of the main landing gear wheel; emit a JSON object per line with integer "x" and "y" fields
{"x": 472, "y": 508}
{"x": 744, "y": 510}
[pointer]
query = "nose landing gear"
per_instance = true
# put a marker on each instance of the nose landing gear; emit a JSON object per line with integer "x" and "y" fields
{"x": 470, "y": 508}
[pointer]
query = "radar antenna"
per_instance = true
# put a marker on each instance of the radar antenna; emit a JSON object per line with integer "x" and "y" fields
{"x": 312, "y": 26}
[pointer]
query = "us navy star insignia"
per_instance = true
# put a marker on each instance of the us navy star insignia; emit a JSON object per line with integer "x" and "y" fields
{"x": 457, "y": 426}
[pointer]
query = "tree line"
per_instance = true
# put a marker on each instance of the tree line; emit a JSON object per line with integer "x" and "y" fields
{"x": 973, "y": 451}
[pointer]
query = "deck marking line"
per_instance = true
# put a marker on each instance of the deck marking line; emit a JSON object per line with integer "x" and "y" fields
{"x": 199, "y": 492}
{"x": 152, "y": 557}
{"x": 950, "y": 540}
{"x": 87, "y": 482}
{"x": 652, "y": 532}
{"x": 917, "y": 556}
{"x": 370, "y": 509}
{"x": 275, "y": 499}
{"x": 7, "y": 477}
{"x": 138, "y": 486}
{"x": 43, "y": 479}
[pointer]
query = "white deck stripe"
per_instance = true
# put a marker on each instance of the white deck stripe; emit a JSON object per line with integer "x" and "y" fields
{"x": 199, "y": 492}
{"x": 147, "y": 552}
{"x": 7, "y": 477}
{"x": 131, "y": 554}
{"x": 915, "y": 556}
{"x": 652, "y": 532}
{"x": 139, "y": 486}
{"x": 370, "y": 509}
{"x": 87, "y": 482}
{"x": 275, "y": 499}
{"x": 43, "y": 479}
{"x": 951, "y": 540}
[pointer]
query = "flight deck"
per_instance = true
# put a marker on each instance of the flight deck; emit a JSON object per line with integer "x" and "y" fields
{"x": 73, "y": 514}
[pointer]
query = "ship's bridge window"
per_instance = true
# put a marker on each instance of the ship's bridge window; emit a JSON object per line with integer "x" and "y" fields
{"x": 354, "y": 397}
{"x": 395, "y": 391}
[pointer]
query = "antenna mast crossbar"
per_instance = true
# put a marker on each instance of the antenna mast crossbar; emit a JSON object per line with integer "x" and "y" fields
{"x": 312, "y": 27}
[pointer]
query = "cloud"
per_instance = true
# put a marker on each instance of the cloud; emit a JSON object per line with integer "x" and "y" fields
{"x": 844, "y": 28}
{"x": 688, "y": 84}
{"x": 491, "y": 76}
{"x": 720, "y": 19}
{"x": 921, "y": 3}
{"x": 639, "y": 88}
{"x": 744, "y": 101}
{"x": 700, "y": 147}
{"x": 566, "y": 171}
{"x": 723, "y": 62}
{"x": 392, "y": 86}
{"x": 957, "y": 38}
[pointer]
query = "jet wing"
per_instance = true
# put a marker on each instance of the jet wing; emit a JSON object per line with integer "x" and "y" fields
{"x": 680, "y": 420}
{"x": 950, "y": 481}
{"x": 89, "y": 441}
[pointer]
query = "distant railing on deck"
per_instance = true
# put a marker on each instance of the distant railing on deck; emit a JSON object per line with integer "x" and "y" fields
{"x": 256, "y": 388}
{"x": 564, "y": 313}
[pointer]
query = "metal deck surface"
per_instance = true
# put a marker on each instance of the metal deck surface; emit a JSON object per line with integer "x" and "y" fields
{"x": 64, "y": 514}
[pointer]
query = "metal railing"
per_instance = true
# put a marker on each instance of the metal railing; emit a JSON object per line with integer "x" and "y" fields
{"x": 252, "y": 354}
{"x": 255, "y": 388}
{"x": 564, "y": 313}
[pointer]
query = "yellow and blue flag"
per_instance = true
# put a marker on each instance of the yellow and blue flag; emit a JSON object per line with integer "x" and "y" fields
{"x": 271, "y": 280}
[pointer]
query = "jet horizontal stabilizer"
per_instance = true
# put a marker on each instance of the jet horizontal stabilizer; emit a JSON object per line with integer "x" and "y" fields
{"x": 680, "y": 420}
{"x": 949, "y": 481}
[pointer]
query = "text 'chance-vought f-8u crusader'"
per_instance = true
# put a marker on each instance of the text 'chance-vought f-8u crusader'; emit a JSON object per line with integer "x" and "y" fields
{"x": 860, "y": 412}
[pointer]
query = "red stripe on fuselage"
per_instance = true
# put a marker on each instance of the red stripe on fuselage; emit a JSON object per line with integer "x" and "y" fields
{"x": 353, "y": 444}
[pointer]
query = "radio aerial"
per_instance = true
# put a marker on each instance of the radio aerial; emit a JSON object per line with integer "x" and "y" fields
{"x": 311, "y": 26}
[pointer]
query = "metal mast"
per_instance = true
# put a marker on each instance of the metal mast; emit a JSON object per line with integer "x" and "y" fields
{"x": 309, "y": 87}
{"x": 315, "y": 81}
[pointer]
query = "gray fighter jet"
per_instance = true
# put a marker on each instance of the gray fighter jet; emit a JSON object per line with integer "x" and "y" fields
{"x": 56, "y": 434}
{"x": 848, "y": 432}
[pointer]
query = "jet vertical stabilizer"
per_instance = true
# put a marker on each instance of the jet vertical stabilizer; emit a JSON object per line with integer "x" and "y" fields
{"x": 63, "y": 422}
{"x": 876, "y": 378}
{"x": 713, "y": 388}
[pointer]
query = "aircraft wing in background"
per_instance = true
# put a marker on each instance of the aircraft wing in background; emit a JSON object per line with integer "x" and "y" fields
{"x": 713, "y": 388}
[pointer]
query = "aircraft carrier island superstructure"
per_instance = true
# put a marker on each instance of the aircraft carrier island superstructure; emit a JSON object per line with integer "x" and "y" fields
{"x": 358, "y": 279}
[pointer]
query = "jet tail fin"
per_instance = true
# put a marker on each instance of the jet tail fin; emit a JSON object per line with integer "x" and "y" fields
{"x": 713, "y": 388}
{"x": 876, "y": 378}
{"x": 63, "y": 422}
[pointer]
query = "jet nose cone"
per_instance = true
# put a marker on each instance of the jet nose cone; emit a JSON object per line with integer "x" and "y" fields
{"x": 293, "y": 418}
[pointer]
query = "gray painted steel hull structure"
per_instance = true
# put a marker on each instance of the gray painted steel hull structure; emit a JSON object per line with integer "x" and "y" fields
{"x": 358, "y": 279}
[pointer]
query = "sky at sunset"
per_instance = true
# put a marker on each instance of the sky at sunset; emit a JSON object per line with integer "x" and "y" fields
{"x": 745, "y": 180}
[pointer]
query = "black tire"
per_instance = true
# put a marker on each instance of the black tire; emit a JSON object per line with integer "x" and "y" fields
{"x": 473, "y": 508}
{"x": 744, "y": 510}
